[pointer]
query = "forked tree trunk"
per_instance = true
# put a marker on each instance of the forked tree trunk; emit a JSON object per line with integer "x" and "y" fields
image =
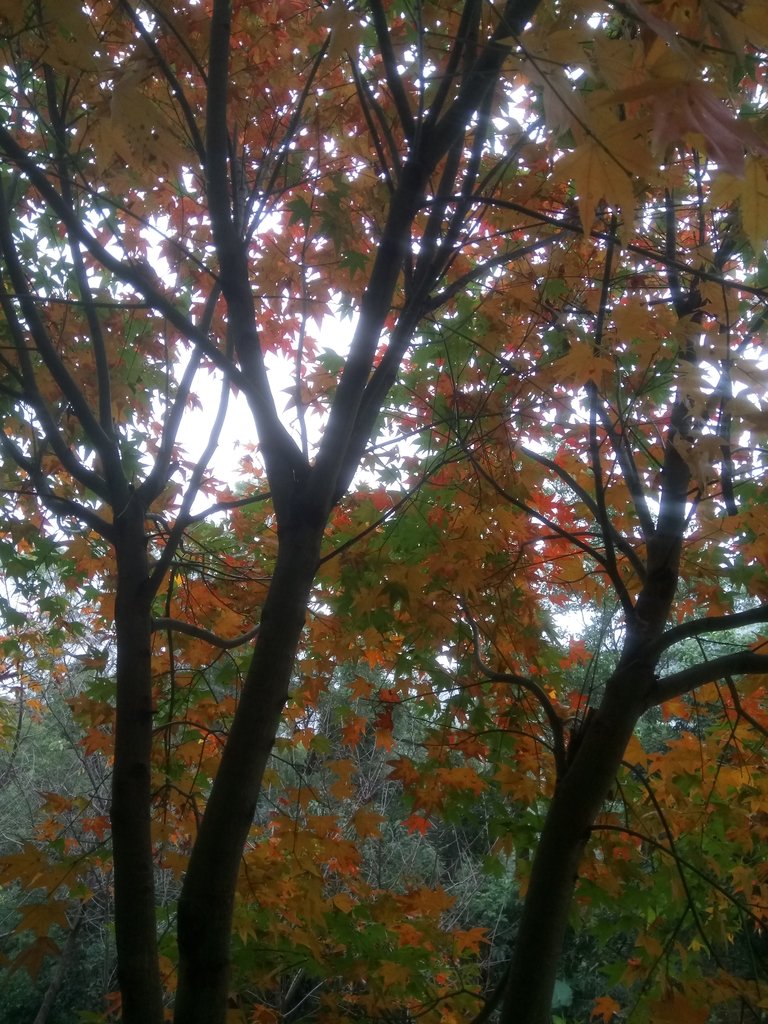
{"x": 207, "y": 897}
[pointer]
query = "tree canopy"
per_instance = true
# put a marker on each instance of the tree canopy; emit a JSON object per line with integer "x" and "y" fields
{"x": 478, "y": 622}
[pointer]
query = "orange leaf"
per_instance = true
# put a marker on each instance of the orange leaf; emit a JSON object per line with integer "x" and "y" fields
{"x": 470, "y": 939}
{"x": 416, "y": 823}
{"x": 674, "y": 1008}
{"x": 367, "y": 823}
{"x": 360, "y": 687}
{"x": 384, "y": 739}
{"x": 605, "y": 1008}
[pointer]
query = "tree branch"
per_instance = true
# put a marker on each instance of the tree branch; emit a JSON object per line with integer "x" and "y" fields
{"x": 629, "y": 472}
{"x": 484, "y": 72}
{"x": 680, "y": 683}
{"x": 172, "y": 80}
{"x": 545, "y": 520}
{"x": 285, "y": 464}
{"x": 43, "y": 343}
{"x": 123, "y": 270}
{"x": 394, "y": 79}
{"x": 199, "y": 633}
{"x": 183, "y": 517}
{"x": 715, "y": 624}
{"x": 649, "y": 254}
{"x": 50, "y": 431}
{"x": 467, "y": 28}
{"x": 619, "y": 541}
{"x": 527, "y": 684}
{"x": 369, "y": 103}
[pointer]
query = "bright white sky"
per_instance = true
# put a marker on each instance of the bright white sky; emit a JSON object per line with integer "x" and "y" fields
{"x": 239, "y": 431}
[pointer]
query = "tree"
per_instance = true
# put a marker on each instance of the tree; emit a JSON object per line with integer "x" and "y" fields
{"x": 535, "y": 226}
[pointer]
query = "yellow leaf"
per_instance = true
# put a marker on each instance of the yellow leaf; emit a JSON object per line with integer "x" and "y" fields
{"x": 343, "y": 902}
{"x": 583, "y": 363}
{"x": 516, "y": 784}
{"x": 754, "y": 203}
{"x": 323, "y": 824}
{"x": 726, "y": 189}
{"x": 367, "y": 823}
{"x": 394, "y": 974}
{"x": 13, "y": 13}
{"x": 343, "y": 770}
{"x": 70, "y": 41}
{"x": 753, "y": 16}
{"x": 598, "y": 177}
{"x": 360, "y": 687}
{"x": 384, "y": 740}
{"x": 461, "y": 777}
{"x": 345, "y": 27}
{"x": 139, "y": 127}
{"x": 41, "y": 917}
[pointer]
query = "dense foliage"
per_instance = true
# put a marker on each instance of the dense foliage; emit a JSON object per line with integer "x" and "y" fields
{"x": 448, "y": 702}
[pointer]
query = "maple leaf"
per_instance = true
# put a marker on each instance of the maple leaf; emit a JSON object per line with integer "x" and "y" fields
{"x": 354, "y": 729}
{"x": 584, "y": 363}
{"x": 41, "y": 917}
{"x": 605, "y": 1008}
{"x": 32, "y": 958}
{"x": 598, "y": 177}
{"x": 408, "y": 935}
{"x": 417, "y": 823}
{"x": 683, "y": 106}
{"x": 470, "y": 939}
{"x": 367, "y": 823}
{"x": 343, "y": 902}
{"x": 360, "y": 687}
{"x": 393, "y": 973}
{"x": 462, "y": 777}
{"x": 675, "y": 1008}
{"x": 344, "y": 770}
{"x": 403, "y": 769}
{"x": 520, "y": 785}
{"x": 753, "y": 196}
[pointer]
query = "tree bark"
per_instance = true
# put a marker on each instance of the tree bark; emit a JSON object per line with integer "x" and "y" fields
{"x": 575, "y": 806}
{"x": 60, "y": 971}
{"x": 135, "y": 921}
{"x": 581, "y": 792}
{"x": 207, "y": 898}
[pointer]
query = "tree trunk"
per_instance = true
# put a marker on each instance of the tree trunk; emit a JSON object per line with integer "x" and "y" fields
{"x": 135, "y": 923}
{"x": 207, "y": 897}
{"x": 60, "y": 971}
{"x": 575, "y": 806}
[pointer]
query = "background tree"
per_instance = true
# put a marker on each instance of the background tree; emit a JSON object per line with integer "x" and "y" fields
{"x": 524, "y": 222}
